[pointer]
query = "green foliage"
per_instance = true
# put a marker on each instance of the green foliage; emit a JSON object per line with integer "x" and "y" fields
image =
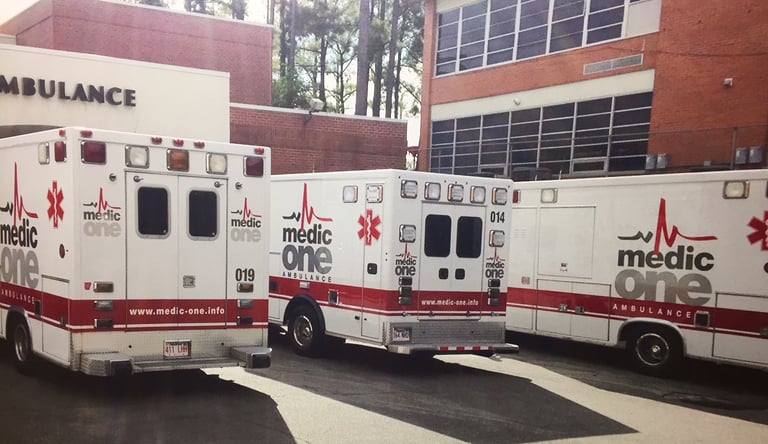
{"x": 290, "y": 92}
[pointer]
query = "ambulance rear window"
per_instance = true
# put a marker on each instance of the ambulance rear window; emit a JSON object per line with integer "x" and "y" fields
{"x": 203, "y": 214}
{"x": 437, "y": 235}
{"x": 469, "y": 237}
{"x": 153, "y": 211}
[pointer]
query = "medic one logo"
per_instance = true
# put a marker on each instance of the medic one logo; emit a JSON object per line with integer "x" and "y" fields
{"x": 305, "y": 253}
{"x": 18, "y": 262}
{"x": 247, "y": 227}
{"x": 406, "y": 264}
{"x": 636, "y": 282}
{"x": 103, "y": 220}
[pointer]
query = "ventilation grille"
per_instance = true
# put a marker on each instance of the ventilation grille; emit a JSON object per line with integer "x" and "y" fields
{"x": 610, "y": 65}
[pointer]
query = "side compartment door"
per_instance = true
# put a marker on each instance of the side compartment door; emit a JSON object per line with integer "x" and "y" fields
{"x": 521, "y": 299}
{"x": 450, "y": 280}
{"x": 370, "y": 232}
{"x": 741, "y": 330}
{"x": 202, "y": 251}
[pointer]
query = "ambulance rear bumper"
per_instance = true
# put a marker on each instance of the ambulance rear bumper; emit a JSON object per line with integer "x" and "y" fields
{"x": 114, "y": 364}
{"x": 484, "y": 350}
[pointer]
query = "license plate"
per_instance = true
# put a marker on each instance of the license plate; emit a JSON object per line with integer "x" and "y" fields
{"x": 401, "y": 334}
{"x": 176, "y": 349}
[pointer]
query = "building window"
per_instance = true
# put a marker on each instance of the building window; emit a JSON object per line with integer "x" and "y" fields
{"x": 447, "y": 41}
{"x": 593, "y": 136}
{"x": 497, "y": 31}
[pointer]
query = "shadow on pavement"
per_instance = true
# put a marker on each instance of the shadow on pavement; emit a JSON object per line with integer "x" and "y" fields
{"x": 53, "y": 404}
{"x": 462, "y": 402}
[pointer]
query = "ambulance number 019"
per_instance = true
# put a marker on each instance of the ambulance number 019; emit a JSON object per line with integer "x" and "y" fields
{"x": 245, "y": 274}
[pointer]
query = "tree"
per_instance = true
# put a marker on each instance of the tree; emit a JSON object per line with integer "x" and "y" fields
{"x": 364, "y": 26}
{"x": 394, "y": 54}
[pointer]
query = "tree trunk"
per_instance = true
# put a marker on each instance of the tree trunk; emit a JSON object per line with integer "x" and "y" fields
{"x": 283, "y": 40}
{"x": 292, "y": 38}
{"x": 393, "y": 53}
{"x": 323, "y": 55}
{"x": 364, "y": 26}
{"x": 396, "y": 86}
{"x": 378, "y": 70}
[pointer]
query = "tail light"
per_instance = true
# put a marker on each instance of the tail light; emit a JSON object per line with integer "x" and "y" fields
{"x": 254, "y": 166}
{"x": 409, "y": 189}
{"x": 494, "y": 292}
{"x": 432, "y": 191}
{"x": 496, "y": 238}
{"x": 455, "y": 192}
{"x": 477, "y": 194}
{"x": 736, "y": 189}
{"x": 499, "y": 196}
{"x": 60, "y": 151}
{"x": 93, "y": 152}
{"x": 405, "y": 291}
{"x": 178, "y": 160}
{"x": 216, "y": 163}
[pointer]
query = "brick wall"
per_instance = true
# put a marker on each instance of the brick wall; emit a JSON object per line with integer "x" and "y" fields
{"x": 323, "y": 143}
{"x": 699, "y": 44}
{"x": 154, "y": 35}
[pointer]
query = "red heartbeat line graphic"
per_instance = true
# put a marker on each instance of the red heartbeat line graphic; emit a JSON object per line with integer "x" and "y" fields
{"x": 247, "y": 214}
{"x": 18, "y": 209}
{"x": 761, "y": 231}
{"x": 103, "y": 204}
{"x": 407, "y": 254}
{"x": 55, "y": 211}
{"x": 369, "y": 224}
{"x": 308, "y": 212}
{"x": 670, "y": 238}
{"x": 496, "y": 257}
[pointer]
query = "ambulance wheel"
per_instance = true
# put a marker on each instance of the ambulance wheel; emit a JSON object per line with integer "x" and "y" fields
{"x": 304, "y": 332}
{"x": 655, "y": 351}
{"x": 22, "y": 346}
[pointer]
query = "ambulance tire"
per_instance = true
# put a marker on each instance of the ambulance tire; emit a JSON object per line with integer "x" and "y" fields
{"x": 655, "y": 351}
{"x": 305, "y": 333}
{"x": 21, "y": 344}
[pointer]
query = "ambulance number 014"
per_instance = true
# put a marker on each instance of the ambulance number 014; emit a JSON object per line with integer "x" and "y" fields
{"x": 497, "y": 216}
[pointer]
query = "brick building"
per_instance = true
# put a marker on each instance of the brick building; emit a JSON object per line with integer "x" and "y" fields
{"x": 594, "y": 87}
{"x": 324, "y": 142}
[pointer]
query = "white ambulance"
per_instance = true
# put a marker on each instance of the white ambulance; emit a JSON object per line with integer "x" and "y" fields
{"x": 668, "y": 265}
{"x": 123, "y": 253}
{"x": 409, "y": 261}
